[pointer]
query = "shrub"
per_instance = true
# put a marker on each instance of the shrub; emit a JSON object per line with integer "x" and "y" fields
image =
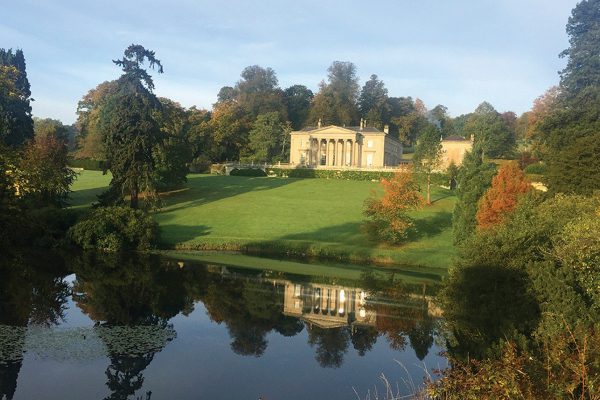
{"x": 247, "y": 172}
{"x": 115, "y": 229}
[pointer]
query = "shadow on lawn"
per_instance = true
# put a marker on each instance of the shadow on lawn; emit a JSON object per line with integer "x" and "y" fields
{"x": 85, "y": 197}
{"x": 174, "y": 234}
{"x": 431, "y": 226}
{"x": 206, "y": 189}
{"x": 349, "y": 233}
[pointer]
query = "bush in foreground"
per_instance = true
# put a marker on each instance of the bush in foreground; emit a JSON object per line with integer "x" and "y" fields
{"x": 115, "y": 229}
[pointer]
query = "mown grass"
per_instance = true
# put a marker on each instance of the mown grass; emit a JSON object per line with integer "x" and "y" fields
{"x": 291, "y": 217}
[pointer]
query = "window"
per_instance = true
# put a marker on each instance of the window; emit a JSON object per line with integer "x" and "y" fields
{"x": 369, "y": 143}
{"x": 370, "y": 159}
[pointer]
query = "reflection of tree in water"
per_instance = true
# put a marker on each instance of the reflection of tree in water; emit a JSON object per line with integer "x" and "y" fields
{"x": 331, "y": 344}
{"x": 484, "y": 305}
{"x": 136, "y": 291}
{"x": 364, "y": 338}
{"x": 29, "y": 293}
{"x": 250, "y": 308}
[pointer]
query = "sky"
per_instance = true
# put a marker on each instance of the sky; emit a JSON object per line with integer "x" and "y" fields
{"x": 452, "y": 52}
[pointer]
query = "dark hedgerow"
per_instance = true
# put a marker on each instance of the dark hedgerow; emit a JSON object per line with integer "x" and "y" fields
{"x": 115, "y": 229}
{"x": 247, "y": 172}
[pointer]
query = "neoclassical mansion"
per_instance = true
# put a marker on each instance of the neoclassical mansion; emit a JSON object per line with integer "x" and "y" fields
{"x": 336, "y": 146}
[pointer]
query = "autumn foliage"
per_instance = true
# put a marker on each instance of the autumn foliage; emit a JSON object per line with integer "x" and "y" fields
{"x": 388, "y": 215}
{"x": 508, "y": 186}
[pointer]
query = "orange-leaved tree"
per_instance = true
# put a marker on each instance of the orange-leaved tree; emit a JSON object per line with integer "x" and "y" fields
{"x": 388, "y": 215}
{"x": 508, "y": 186}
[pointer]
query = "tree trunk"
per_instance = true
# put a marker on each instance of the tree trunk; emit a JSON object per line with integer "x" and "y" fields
{"x": 428, "y": 189}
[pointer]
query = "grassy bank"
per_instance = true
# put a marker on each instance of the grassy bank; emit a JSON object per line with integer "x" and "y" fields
{"x": 293, "y": 217}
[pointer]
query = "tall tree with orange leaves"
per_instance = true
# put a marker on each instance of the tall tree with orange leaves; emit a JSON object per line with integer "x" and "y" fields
{"x": 388, "y": 215}
{"x": 508, "y": 186}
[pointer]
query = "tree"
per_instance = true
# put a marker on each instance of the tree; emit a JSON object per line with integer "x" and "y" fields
{"x": 373, "y": 102}
{"x": 228, "y": 129}
{"x": 297, "y": 99}
{"x": 508, "y": 186}
{"x": 267, "y": 140}
{"x": 490, "y": 131}
{"x": 174, "y": 153}
{"x": 409, "y": 125}
{"x": 474, "y": 178}
{"x": 583, "y": 65}
{"x": 45, "y": 178}
{"x": 574, "y": 123}
{"x": 336, "y": 102}
{"x": 388, "y": 216}
{"x": 16, "y": 124}
{"x": 398, "y": 107}
{"x": 258, "y": 92}
{"x": 428, "y": 154}
{"x": 89, "y": 136}
{"x": 129, "y": 130}
{"x": 439, "y": 116}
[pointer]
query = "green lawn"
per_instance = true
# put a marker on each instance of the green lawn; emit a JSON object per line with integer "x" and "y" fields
{"x": 303, "y": 217}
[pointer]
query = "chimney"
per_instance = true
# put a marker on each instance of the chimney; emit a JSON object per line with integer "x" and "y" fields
{"x": 361, "y": 124}
{"x": 386, "y": 129}
{"x": 319, "y": 124}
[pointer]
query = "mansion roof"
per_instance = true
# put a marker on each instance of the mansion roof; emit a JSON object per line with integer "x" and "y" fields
{"x": 350, "y": 128}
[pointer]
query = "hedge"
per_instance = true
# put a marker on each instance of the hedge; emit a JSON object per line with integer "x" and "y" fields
{"x": 247, "y": 172}
{"x": 86, "y": 163}
{"x": 330, "y": 174}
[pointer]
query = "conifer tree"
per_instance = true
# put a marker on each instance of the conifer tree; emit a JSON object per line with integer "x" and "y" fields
{"x": 474, "y": 178}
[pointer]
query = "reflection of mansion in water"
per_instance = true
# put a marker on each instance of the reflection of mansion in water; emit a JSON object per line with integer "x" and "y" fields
{"x": 333, "y": 306}
{"x": 327, "y": 306}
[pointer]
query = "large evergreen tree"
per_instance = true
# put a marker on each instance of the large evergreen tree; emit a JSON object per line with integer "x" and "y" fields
{"x": 570, "y": 134}
{"x": 16, "y": 124}
{"x": 129, "y": 129}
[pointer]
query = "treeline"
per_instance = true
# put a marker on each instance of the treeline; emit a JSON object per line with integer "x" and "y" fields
{"x": 251, "y": 120}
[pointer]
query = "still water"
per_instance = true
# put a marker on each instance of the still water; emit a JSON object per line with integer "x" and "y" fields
{"x": 143, "y": 327}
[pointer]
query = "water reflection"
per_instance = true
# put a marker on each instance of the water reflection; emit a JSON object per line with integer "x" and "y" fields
{"x": 131, "y": 302}
{"x": 30, "y": 293}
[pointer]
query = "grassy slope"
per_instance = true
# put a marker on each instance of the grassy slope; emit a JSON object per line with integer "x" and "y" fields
{"x": 307, "y": 216}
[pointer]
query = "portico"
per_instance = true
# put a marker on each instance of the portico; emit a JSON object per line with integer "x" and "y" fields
{"x": 335, "y": 146}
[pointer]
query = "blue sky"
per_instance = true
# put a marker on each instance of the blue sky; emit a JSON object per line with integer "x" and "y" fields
{"x": 452, "y": 52}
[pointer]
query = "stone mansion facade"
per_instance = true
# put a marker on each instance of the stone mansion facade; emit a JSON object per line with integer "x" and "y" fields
{"x": 335, "y": 146}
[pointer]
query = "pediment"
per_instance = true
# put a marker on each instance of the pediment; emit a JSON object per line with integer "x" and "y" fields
{"x": 333, "y": 129}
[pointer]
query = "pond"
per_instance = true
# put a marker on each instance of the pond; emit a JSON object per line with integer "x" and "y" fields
{"x": 149, "y": 327}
